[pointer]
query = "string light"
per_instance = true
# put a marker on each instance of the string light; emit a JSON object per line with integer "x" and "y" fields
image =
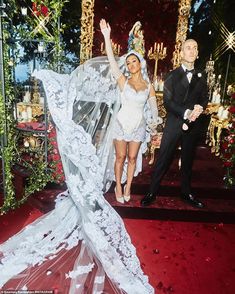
{"x": 228, "y": 38}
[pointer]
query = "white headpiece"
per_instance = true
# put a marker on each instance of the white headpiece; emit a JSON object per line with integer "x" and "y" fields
{"x": 142, "y": 62}
{"x": 140, "y": 57}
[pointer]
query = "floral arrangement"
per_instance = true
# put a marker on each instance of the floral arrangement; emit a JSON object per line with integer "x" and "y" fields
{"x": 228, "y": 142}
{"x": 39, "y": 8}
{"x": 54, "y": 159}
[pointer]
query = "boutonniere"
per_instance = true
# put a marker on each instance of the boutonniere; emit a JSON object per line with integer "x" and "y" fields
{"x": 199, "y": 75}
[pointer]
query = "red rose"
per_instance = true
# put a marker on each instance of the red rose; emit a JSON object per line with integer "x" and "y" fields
{"x": 35, "y": 9}
{"x": 59, "y": 165}
{"x": 225, "y": 145}
{"x": 55, "y": 157}
{"x": 52, "y": 134}
{"x": 54, "y": 143}
{"x": 227, "y": 155}
{"x": 228, "y": 164}
{"x": 232, "y": 109}
{"x": 44, "y": 10}
{"x": 55, "y": 151}
{"x": 62, "y": 178}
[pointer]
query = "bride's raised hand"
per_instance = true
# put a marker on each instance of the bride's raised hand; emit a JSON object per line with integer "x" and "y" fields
{"x": 105, "y": 28}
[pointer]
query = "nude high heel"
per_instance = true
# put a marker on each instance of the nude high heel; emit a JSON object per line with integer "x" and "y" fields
{"x": 126, "y": 197}
{"x": 119, "y": 199}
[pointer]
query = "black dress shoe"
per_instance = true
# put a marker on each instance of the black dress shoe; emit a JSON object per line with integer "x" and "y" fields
{"x": 190, "y": 199}
{"x": 148, "y": 199}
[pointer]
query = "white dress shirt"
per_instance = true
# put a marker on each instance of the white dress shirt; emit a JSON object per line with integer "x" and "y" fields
{"x": 189, "y": 74}
{"x": 189, "y": 77}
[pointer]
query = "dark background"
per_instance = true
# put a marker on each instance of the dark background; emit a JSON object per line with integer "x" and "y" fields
{"x": 159, "y": 20}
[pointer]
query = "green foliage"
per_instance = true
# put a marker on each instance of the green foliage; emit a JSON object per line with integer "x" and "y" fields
{"x": 67, "y": 31}
{"x": 2, "y": 115}
{"x": 37, "y": 180}
{"x": 42, "y": 24}
{"x": 39, "y": 172}
{"x": 7, "y": 125}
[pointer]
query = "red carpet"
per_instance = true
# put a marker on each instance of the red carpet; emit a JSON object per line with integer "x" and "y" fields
{"x": 15, "y": 220}
{"x": 186, "y": 258}
{"x": 178, "y": 257}
{"x": 193, "y": 257}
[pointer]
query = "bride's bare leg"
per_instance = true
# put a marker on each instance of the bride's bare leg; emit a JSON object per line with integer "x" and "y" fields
{"x": 133, "y": 149}
{"x": 121, "y": 152}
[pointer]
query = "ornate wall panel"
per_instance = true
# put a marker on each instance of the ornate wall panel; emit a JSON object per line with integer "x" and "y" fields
{"x": 162, "y": 20}
{"x": 87, "y": 29}
{"x": 182, "y": 28}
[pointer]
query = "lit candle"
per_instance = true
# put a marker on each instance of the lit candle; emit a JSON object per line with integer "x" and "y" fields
{"x": 158, "y": 47}
{"x": 164, "y": 50}
{"x": 24, "y": 114}
{"x": 155, "y": 45}
{"x": 102, "y": 47}
{"x": 161, "y": 46}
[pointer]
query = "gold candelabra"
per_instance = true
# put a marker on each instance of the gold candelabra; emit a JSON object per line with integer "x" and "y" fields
{"x": 115, "y": 46}
{"x": 157, "y": 52}
{"x": 210, "y": 68}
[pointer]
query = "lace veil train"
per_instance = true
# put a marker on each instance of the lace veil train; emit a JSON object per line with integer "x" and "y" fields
{"x": 83, "y": 230}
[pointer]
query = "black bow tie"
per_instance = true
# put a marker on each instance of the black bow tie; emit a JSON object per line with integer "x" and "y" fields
{"x": 189, "y": 71}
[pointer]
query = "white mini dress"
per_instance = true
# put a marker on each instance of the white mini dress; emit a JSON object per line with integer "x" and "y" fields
{"x": 130, "y": 124}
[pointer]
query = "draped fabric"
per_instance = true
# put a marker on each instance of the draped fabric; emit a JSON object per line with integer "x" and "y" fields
{"x": 83, "y": 106}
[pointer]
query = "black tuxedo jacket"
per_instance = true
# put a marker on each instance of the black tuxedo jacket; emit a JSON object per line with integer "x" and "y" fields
{"x": 180, "y": 95}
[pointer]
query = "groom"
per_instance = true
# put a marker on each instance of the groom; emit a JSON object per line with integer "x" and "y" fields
{"x": 185, "y": 97}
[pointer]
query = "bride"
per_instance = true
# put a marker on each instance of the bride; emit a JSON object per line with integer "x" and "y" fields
{"x": 83, "y": 234}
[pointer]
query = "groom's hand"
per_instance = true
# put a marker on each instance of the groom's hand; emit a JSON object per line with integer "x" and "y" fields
{"x": 191, "y": 116}
{"x": 197, "y": 110}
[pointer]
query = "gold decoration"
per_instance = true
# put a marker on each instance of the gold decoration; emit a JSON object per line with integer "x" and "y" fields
{"x": 182, "y": 28}
{"x": 37, "y": 109}
{"x": 161, "y": 110}
{"x": 211, "y": 108}
{"x": 87, "y": 30}
{"x": 214, "y": 133}
{"x": 156, "y": 140}
{"x": 115, "y": 47}
{"x": 157, "y": 53}
{"x": 154, "y": 144}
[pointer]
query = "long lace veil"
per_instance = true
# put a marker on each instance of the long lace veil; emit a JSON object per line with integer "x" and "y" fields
{"x": 83, "y": 233}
